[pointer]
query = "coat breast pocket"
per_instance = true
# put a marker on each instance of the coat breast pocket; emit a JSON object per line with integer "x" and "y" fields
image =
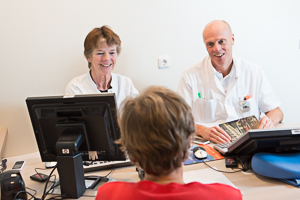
{"x": 205, "y": 111}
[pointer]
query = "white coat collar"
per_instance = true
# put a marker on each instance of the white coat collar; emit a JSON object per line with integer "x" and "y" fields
{"x": 233, "y": 75}
{"x": 233, "y": 72}
{"x": 113, "y": 84}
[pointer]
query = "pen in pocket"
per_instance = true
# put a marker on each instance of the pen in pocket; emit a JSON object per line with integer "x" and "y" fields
{"x": 247, "y": 97}
{"x": 199, "y": 95}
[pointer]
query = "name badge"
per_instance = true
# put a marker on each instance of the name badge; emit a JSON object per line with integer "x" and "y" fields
{"x": 245, "y": 106}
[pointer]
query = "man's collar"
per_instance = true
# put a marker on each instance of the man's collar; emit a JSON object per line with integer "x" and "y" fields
{"x": 233, "y": 72}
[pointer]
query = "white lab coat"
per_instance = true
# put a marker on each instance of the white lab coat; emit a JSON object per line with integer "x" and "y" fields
{"x": 121, "y": 85}
{"x": 218, "y": 106}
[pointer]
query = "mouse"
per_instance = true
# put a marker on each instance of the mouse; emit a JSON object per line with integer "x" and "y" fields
{"x": 199, "y": 153}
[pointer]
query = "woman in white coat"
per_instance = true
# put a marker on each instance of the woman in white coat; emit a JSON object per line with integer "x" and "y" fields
{"x": 101, "y": 49}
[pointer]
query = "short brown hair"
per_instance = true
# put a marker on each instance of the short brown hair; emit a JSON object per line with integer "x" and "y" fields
{"x": 155, "y": 130}
{"x": 98, "y": 35}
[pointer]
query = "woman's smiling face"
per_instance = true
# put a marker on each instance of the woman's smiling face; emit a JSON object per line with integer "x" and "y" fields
{"x": 103, "y": 58}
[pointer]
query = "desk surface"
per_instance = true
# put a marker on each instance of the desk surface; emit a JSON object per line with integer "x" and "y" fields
{"x": 252, "y": 186}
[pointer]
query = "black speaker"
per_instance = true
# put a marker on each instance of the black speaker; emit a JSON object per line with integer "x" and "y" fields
{"x": 11, "y": 183}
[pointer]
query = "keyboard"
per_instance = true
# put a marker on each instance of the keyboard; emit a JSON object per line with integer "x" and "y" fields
{"x": 222, "y": 147}
{"x": 104, "y": 165}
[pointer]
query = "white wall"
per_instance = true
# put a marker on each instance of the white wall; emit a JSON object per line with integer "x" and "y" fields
{"x": 41, "y": 47}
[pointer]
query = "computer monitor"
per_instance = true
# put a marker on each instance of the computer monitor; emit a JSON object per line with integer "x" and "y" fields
{"x": 265, "y": 140}
{"x": 70, "y": 130}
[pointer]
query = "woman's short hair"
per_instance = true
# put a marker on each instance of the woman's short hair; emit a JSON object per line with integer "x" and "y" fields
{"x": 98, "y": 35}
{"x": 156, "y": 128}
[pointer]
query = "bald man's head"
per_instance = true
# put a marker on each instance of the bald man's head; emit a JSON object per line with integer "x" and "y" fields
{"x": 218, "y": 39}
{"x": 217, "y": 24}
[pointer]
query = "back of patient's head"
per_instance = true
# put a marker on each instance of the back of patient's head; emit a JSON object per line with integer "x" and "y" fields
{"x": 156, "y": 128}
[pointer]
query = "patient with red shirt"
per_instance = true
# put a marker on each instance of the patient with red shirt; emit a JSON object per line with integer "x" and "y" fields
{"x": 156, "y": 132}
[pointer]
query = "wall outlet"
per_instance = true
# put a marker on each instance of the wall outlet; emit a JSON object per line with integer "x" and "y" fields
{"x": 163, "y": 62}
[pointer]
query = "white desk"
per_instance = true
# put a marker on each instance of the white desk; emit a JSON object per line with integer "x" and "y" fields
{"x": 251, "y": 185}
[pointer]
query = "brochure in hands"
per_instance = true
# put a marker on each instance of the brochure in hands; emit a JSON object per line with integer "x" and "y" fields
{"x": 238, "y": 127}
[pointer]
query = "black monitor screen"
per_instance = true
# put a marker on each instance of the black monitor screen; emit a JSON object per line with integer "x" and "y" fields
{"x": 266, "y": 140}
{"x": 93, "y": 117}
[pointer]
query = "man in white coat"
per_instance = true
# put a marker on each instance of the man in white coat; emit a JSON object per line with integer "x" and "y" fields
{"x": 223, "y": 87}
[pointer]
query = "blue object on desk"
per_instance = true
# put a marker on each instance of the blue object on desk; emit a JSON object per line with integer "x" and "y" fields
{"x": 294, "y": 182}
{"x": 285, "y": 167}
{"x": 192, "y": 159}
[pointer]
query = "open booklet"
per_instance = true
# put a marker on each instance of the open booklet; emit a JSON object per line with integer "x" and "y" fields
{"x": 238, "y": 127}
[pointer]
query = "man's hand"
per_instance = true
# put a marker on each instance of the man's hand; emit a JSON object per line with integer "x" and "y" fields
{"x": 266, "y": 123}
{"x": 272, "y": 118}
{"x": 214, "y": 134}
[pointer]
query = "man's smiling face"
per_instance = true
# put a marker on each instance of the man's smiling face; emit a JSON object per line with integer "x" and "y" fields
{"x": 218, "y": 40}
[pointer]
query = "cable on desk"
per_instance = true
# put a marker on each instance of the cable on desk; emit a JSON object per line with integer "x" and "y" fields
{"x": 242, "y": 163}
{"x": 46, "y": 193}
{"x": 32, "y": 195}
{"x": 97, "y": 179}
{"x": 94, "y": 177}
{"x": 35, "y": 192}
{"x": 54, "y": 183}
{"x": 85, "y": 195}
{"x": 240, "y": 169}
{"x": 56, "y": 197}
{"x": 3, "y": 165}
{"x": 246, "y": 163}
{"x": 23, "y": 191}
{"x": 111, "y": 171}
{"x": 40, "y": 174}
{"x": 86, "y": 163}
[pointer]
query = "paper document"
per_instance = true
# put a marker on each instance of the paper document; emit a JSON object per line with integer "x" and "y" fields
{"x": 206, "y": 176}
